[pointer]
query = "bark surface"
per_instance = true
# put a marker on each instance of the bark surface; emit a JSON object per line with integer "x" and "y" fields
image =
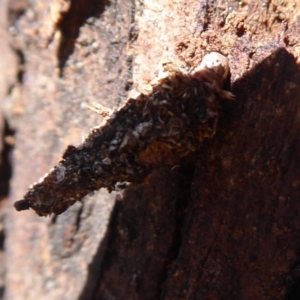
{"x": 223, "y": 224}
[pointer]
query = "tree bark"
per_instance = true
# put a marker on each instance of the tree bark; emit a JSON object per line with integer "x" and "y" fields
{"x": 223, "y": 224}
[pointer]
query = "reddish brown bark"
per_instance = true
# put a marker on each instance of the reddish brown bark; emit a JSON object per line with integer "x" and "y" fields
{"x": 224, "y": 224}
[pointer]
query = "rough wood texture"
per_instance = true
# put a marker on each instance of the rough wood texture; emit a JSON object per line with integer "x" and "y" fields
{"x": 223, "y": 225}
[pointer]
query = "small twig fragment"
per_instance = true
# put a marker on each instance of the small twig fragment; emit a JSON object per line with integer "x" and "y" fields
{"x": 100, "y": 109}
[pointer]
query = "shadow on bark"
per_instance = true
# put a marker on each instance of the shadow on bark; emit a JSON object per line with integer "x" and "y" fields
{"x": 5, "y": 160}
{"x": 228, "y": 229}
{"x": 71, "y": 22}
{"x": 7, "y": 143}
{"x": 158, "y": 208}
